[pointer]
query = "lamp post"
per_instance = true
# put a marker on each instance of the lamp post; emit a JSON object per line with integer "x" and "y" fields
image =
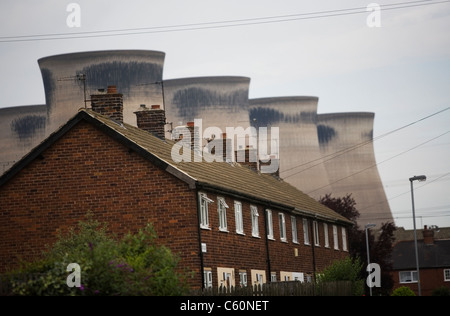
{"x": 420, "y": 179}
{"x": 367, "y": 227}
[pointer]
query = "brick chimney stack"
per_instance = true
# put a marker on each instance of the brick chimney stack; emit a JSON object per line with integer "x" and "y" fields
{"x": 152, "y": 120}
{"x": 109, "y": 104}
{"x": 428, "y": 236}
{"x": 247, "y": 157}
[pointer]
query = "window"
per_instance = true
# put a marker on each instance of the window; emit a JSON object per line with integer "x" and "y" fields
{"x": 297, "y": 276}
{"x": 225, "y": 277}
{"x": 222, "y": 209}
{"x": 269, "y": 224}
{"x": 306, "y": 231}
{"x": 447, "y": 275}
{"x": 344, "y": 239}
{"x": 255, "y": 218}
{"x": 325, "y": 235}
{"x": 335, "y": 237}
{"x": 243, "y": 278}
{"x": 208, "y": 278}
{"x": 408, "y": 276}
{"x": 282, "y": 221}
{"x": 273, "y": 277}
{"x": 204, "y": 216}
{"x": 239, "y": 218}
{"x": 294, "y": 230}
{"x": 316, "y": 233}
{"x": 258, "y": 277}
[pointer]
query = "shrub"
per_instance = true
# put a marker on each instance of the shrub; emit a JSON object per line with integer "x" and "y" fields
{"x": 134, "y": 265}
{"x": 403, "y": 291}
{"x": 345, "y": 270}
{"x": 441, "y": 291}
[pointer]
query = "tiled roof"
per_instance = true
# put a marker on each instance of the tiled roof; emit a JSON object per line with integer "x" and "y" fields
{"x": 436, "y": 255}
{"x": 222, "y": 176}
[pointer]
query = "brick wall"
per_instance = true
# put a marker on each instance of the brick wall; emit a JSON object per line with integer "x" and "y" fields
{"x": 246, "y": 252}
{"x": 87, "y": 170}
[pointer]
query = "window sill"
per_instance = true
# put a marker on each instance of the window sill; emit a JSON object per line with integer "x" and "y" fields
{"x": 223, "y": 230}
{"x": 242, "y": 234}
{"x": 254, "y": 236}
{"x": 284, "y": 241}
{"x": 205, "y": 228}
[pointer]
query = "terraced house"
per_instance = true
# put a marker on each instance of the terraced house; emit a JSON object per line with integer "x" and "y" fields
{"x": 229, "y": 223}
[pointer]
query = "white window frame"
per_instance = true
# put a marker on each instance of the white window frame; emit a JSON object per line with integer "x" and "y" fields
{"x": 316, "y": 233}
{"x": 208, "y": 278}
{"x": 243, "y": 278}
{"x": 269, "y": 217}
{"x": 306, "y": 232}
{"x": 405, "y": 277}
{"x": 222, "y": 210}
{"x": 335, "y": 238}
{"x": 204, "y": 212}
{"x": 344, "y": 239}
{"x": 255, "y": 221}
{"x": 239, "y": 218}
{"x": 446, "y": 275}
{"x": 273, "y": 277}
{"x": 294, "y": 230}
{"x": 282, "y": 222}
{"x": 325, "y": 235}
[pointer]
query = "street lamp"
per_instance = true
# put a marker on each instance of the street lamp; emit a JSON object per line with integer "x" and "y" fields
{"x": 420, "y": 179}
{"x": 367, "y": 227}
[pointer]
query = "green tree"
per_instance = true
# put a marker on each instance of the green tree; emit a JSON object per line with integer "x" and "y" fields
{"x": 346, "y": 269}
{"x": 133, "y": 265}
{"x": 380, "y": 248}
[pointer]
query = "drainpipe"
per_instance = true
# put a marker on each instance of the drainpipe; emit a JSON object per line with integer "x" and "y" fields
{"x": 202, "y": 267}
{"x": 269, "y": 277}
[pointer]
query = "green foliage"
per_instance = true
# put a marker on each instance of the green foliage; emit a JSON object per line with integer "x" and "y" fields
{"x": 345, "y": 270}
{"x": 441, "y": 291}
{"x": 134, "y": 265}
{"x": 403, "y": 291}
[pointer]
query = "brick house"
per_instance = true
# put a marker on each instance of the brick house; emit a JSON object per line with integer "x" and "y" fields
{"x": 230, "y": 224}
{"x": 434, "y": 261}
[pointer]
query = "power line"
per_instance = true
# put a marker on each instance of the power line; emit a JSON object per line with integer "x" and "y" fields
{"x": 336, "y": 154}
{"x": 214, "y": 24}
{"x": 372, "y": 166}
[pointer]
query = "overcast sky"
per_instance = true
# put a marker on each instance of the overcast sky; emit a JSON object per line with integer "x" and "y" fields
{"x": 400, "y": 71}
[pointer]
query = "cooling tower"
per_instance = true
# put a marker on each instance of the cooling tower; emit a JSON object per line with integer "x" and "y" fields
{"x": 219, "y": 101}
{"x": 21, "y": 129}
{"x": 347, "y": 148}
{"x": 134, "y": 72}
{"x": 300, "y": 158}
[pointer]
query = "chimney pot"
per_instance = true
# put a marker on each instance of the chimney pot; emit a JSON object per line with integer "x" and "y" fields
{"x": 112, "y": 90}
{"x": 110, "y": 104}
{"x": 156, "y": 107}
{"x": 190, "y": 124}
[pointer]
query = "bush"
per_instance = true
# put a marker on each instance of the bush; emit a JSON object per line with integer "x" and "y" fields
{"x": 345, "y": 270}
{"x": 441, "y": 291}
{"x": 134, "y": 265}
{"x": 403, "y": 291}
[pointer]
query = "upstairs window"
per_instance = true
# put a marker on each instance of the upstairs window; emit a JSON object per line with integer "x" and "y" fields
{"x": 294, "y": 230}
{"x": 269, "y": 224}
{"x": 344, "y": 239}
{"x": 222, "y": 209}
{"x": 282, "y": 222}
{"x": 255, "y": 219}
{"x": 325, "y": 235}
{"x": 316, "y": 233}
{"x": 239, "y": 218}
{"x": 335, "y": 237}
{"x": 204, "y": 213}
{"x": 306, "y": 231}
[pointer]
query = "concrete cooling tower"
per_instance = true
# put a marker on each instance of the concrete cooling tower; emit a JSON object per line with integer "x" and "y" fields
{"x": 21, "y": 128}
{"x": 300, "y": 158}
{"x": 347, "y": 149}
{"x": 219, "y": 101}
{"x": 134, "y": 72}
